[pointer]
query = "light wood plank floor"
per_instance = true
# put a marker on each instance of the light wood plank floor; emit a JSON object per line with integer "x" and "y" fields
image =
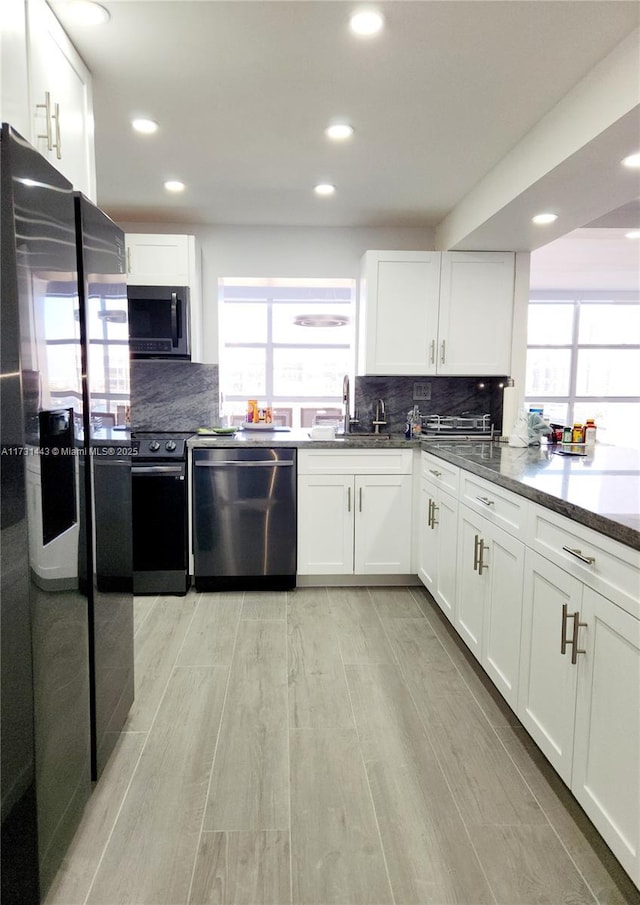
{"x": 325, "y": 746}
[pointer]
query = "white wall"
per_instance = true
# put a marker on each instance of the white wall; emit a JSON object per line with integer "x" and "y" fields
{"x": 588, "y": 259}
{"x": 245, "y": 251}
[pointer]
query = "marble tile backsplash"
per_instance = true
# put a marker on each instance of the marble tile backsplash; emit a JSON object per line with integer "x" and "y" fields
{"x": 183, "y": 395}
{"x": 173, "y": 395}
{"x": 448, "y": 396}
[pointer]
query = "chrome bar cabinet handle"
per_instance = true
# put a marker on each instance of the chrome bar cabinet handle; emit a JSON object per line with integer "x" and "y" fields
{"x": 485, "y": 500}
{"x": 47, "y": 112}
{"x": 442, "y": 352}
{"x": 432, "y": 352}
{"x": 575, "y": 650}
{"x": 589, "y": 560}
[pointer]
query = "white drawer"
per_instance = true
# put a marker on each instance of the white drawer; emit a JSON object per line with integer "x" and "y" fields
{"x": 499, "y": 506}
{"x": 440, "y": 473}
{"x": 355, "y": 461}
{"x": 607, "y": 566}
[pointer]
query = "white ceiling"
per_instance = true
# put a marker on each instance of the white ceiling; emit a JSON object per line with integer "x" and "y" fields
{"x": 243, "y": 90}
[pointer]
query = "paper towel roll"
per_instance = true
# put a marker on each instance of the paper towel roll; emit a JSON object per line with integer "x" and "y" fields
{"x": 511, "y": 404}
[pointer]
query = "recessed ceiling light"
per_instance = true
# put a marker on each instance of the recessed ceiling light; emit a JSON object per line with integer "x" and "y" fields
{"x": 145, "y": 126}
{"x": 174, "y": 185}
{"x": 632, "y": 161}
{"x": 634, "y": 234}
{"x": 324, "y": 188}
{"x": 339, "y": 131}
{"x": 85, "y": 12}
{"x": 544, "y": 218}
{"x": 366, "y": 22}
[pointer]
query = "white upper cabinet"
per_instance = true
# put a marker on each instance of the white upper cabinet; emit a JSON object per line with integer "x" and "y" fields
{"x": 476, "y": 313}
{"x": 428, "y": 312}
{"x": 160, "y": 260}
{"x": 399, "y": 297}
{"x": 60, "y": 100}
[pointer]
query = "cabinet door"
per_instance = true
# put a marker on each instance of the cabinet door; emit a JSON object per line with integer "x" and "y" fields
{"x": 606, "y": 775}
{"x": 427, "y": 539}
{"x": 476, "y": 312}
{"x": 398, "y": 316}
{"x": 162, "y": 260}
{"x": 445, "y": 520}
{"x": 548, "y": 680}
{"x": 504, "y": 560}
{"x": 62, "y": 130}
{"x": 472, "y": 583}
{"x": 325, "y": 524}
{"x": 383, "y": 524}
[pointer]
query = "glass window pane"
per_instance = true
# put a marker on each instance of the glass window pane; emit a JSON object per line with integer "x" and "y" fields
{"x": 617, "y": 423}
{"x": 605, "y": 372}
{"x": 286, "y": 331}
{"x": 243, "y": 323}
{"x": 108, "y": 369}
{"x": 309, "y": 372}
{"x": 107, "y": 319}
{"x": 609, "y": 324}
{"x": 550, "y": 324}
{"x": 244, "y": 372}
{"x": 548, "y": 372}
{"x": 62, "y": 320}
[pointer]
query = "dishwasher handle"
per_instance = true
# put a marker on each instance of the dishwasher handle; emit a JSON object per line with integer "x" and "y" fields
{"x": 169, "y": 470}
{"x": 235, "y": 463}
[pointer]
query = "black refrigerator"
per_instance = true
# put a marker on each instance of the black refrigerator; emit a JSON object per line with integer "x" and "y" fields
{"x": 66, "y": 680}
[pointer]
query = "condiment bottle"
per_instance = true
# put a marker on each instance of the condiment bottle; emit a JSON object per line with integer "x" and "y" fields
{"x": 590, "y": 432}
{"x": 567, "y": 433}
{"x": 252, "y": 410}
{"x": 577, "y": 433}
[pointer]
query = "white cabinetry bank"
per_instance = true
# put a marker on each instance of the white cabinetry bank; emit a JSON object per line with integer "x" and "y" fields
{"x": 169, "y": 260}
{"x": 430, "y": 312}
{"x": 354, "y": 511}
{"x": 47, "y": 91}
{"x": 547, "y": 597}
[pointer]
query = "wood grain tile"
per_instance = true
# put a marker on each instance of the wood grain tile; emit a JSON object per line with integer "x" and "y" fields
{"x": 526, "y": 865}
{"x": 265, "y": 605}
{"x": 250, "y": 780}
{"x": 395, "y": 603}
{"x": 76, "y": 874}
{"x": 318, "y": 695}
{"x": 336, "y": 855}
{"x": 429, "y": 855}
{"x": 211, "y": 637}
{"x": 308, "y": 602}
{"x": 156, "y": 648}
{"x": 142, "y": 606}
{"x": 486, "y": 785}
{"x": 360, "y": 632}
{"x": 150, "y": 855}
{"x": 242, "y": 869}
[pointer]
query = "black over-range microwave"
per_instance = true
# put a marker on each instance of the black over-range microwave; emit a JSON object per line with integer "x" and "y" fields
{"x": 159, "y": 322}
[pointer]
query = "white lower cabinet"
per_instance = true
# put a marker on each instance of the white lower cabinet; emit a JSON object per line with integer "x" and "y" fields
{"x": 606, "y": 755}
{"x": 488, "y": 612}
{"x": 580, "y": 698}
{"x": 438, "y": 532}
{"x": 354, "y": 523}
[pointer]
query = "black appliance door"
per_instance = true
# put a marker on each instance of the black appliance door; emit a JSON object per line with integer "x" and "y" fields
{"x": 159, "y": 321}
{"x": 244, "y": 504}
{"x": 159, "y": 528}
{"x": 44, "y": 615}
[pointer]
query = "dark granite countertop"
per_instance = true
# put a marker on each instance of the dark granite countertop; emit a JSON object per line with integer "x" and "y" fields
{"x": 300, "y": 438}
{"x": 600, "y": 490}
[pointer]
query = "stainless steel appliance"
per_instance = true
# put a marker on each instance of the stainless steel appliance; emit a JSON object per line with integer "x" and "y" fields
{"x": 49, "y": 613}
{"x": 159, "y": 322}
{"x": 459, "y": 426}
{"x": 160, "y": 531}
{"x": 244, "y": 505}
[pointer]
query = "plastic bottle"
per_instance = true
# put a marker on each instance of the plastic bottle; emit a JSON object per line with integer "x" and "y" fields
{"x": 252, "y": 410}
{"x": 589, "y": 432}
{"x": 416, "y": 426}
{"x": 567, "y": 433}
{"x": 577, "y": 433}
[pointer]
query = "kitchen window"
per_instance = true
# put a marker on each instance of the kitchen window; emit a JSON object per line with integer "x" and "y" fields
{"x": 287, "y": 343}
{"x": 583, "y": 360}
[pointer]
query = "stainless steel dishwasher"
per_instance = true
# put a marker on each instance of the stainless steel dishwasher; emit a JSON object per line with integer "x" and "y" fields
{"x": 244, "y": 510}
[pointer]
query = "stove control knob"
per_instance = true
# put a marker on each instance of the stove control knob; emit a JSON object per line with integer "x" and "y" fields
{"x": 170, "y": 445}
{"x": 154, "y": 446}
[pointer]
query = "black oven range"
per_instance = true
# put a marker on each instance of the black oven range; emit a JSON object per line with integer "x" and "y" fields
{"x": 160, "y": 513}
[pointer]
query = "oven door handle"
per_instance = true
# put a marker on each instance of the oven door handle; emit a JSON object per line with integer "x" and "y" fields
{"x": 234, "y": 463}
{"x": 146, "y": 470}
